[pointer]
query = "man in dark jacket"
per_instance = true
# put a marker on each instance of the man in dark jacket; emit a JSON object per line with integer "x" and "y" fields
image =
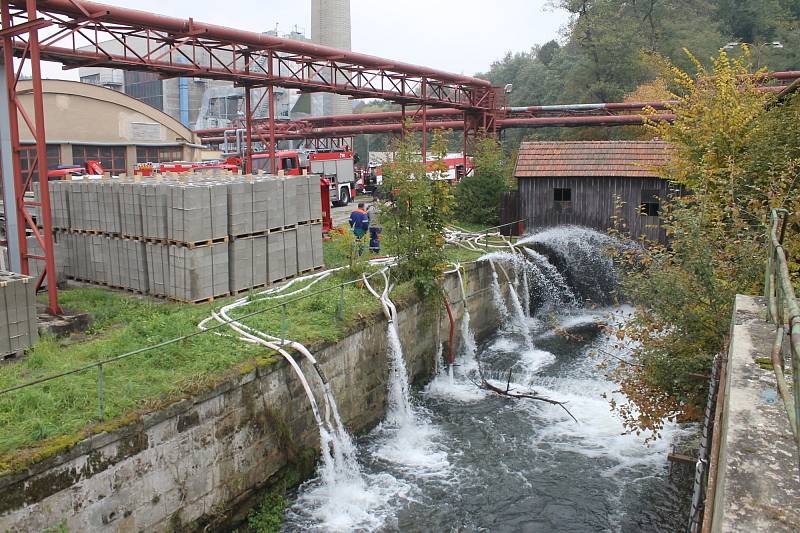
{"x": 359, "y": 221}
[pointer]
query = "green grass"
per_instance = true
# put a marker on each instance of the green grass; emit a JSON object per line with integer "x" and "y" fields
{"x": 468, "y": 226}
{"x": 51, "y": 416}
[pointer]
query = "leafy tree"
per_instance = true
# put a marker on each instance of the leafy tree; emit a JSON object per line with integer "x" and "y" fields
{"x": 735, "y": 160}
{"x": 414, "y": 219}
{"x": 478, "y": 195}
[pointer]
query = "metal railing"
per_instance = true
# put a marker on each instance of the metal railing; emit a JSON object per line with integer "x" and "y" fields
{"x": 783, "y": 311}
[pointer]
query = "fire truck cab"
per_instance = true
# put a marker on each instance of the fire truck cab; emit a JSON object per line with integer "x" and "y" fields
{"x": 289, "y": 161}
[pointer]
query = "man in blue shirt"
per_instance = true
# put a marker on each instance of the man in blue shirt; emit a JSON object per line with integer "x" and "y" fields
{"x": 359, "y": 221}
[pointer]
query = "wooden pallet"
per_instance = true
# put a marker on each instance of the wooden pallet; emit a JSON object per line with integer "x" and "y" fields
{"x": 248, "y": 289}
{"x": 198, "y": 244}
{"x": 201, "y": 300}
{"x": 13, "y": 356}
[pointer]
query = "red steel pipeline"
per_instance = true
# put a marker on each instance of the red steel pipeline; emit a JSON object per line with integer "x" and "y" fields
{"x": 121, "y": 15}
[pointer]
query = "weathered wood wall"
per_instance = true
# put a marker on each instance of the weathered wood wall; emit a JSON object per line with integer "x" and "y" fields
{"x": 594, "y": 203}
{"x": 509, "y": 212}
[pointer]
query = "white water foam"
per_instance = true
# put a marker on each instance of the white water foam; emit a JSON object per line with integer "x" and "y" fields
{"x": 407, "y": 438}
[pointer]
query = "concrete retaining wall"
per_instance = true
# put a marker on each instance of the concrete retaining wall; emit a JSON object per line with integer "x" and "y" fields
{"x": 183, "y": 467}
{"x": 757, "y": 483}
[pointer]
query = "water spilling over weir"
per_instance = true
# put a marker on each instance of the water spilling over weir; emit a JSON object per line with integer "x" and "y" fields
{"x": 456, "y": 457}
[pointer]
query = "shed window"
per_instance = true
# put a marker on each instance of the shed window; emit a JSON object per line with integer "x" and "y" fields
{"x": 650, "y": 203}
{"x": 562, "y": 195}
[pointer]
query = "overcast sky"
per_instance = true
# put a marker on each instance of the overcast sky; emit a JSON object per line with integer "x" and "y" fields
{"x": 461, "y": 36}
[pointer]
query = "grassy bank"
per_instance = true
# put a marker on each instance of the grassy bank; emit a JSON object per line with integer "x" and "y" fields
{"x": 54, "y": 415}
{"x": 45, "y": 418}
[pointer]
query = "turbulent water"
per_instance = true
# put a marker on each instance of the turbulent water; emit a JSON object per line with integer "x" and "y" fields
{"x": 453, "y": 457}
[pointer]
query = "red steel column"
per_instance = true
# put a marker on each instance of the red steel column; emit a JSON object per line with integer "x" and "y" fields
{"x": 402, "y": 121}
{"x": 248, "y": 124}
{"x": 11, "y": 88}
{"x": 271, "y": 105}
{"x": 271, "y": 96}
{"x": 41, "y": 156}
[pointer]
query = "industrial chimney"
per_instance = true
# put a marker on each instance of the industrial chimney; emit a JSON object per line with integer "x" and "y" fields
{"x": 330, "y": 26}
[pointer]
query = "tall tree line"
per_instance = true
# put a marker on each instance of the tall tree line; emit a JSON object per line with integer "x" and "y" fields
{"x": 608, "y": 47}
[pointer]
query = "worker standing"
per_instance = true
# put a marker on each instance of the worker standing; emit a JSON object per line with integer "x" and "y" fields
{"x": 359, "y": 221}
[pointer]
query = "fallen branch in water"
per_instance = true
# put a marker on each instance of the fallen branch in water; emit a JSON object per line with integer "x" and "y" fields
{"x": 511, "y": 393}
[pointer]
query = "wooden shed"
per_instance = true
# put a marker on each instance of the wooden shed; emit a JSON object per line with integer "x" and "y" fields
{"x": 586, "y": 183}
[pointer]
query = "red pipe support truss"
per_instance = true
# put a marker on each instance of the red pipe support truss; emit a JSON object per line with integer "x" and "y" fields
{"x": 77, "y": 33}
{"x": 82, "y": 33}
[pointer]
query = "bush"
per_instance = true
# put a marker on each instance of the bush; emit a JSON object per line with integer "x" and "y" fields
{"x": 414, "y": 220}
{"x": 737, "y": 158}
{"x": 478, "y": 195}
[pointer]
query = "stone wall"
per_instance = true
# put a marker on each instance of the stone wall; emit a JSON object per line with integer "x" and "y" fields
{"x": 187, "y": 466}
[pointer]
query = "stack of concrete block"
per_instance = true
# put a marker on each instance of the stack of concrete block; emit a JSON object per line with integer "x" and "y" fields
{"x": 59, "y": 201}
{"x": 305, "y": 254}
{"x": 158, "y": 271}
{"x": 198, "y": 212}
{"x": 290, "y": 199}
{"x": 188, "y": 239}
{"x": 18, "y": 320}
{"x": 130, "y": 209}
{"x": 316, "y": 245}
{"x": 240, "y": 208}
{"x": 248, "y": 263}
{"x": 198, "y": 273}
{"x": 276, "y": 262}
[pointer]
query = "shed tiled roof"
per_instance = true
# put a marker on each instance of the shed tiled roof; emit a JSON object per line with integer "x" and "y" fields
{"x": 637, "y": 159}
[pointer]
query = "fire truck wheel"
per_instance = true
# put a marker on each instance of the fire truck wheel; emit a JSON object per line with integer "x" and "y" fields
{"x": 345, "y": 197}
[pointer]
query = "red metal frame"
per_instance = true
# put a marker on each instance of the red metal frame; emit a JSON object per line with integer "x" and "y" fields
{"x": 77, "y": 34}
{"x": 29, "y": 51}
{"x": 80, "y": 31}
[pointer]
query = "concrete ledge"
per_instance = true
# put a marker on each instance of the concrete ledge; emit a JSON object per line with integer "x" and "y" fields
{"x": 758, "y": 485}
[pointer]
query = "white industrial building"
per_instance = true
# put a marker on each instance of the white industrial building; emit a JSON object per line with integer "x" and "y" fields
{"x": 201, "y": 103}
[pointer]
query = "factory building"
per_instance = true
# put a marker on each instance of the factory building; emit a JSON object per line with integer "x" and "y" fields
{"x": 84, "y": 121}
{"x": 198, "y": 103}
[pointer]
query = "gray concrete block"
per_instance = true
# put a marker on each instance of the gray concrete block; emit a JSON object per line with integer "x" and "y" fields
{"x": 275, "y": 257}
{"x": 260, "y": 264}
{"x": 260, "y": 201}
{"x": 290, "y": 252}
{"x": 289, "y": 185}
{"x": 305, "y": 256}
{"x": 241, "y": 264}
{"x": 314, "y": 197}
{"x": 316, "y": 245}
{"x": 158, "y": 268}
{"x": 302, "y": 212}
{"x": 274, "y": 192}
{"x": 240, "y": 208}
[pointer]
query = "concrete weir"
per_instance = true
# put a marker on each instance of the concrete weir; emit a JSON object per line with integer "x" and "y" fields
{"x": 757, "y": 485}
{"x": 185, "y": 467}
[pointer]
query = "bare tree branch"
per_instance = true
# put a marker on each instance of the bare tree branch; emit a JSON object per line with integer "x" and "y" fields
{"x": 510, "y": 393}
